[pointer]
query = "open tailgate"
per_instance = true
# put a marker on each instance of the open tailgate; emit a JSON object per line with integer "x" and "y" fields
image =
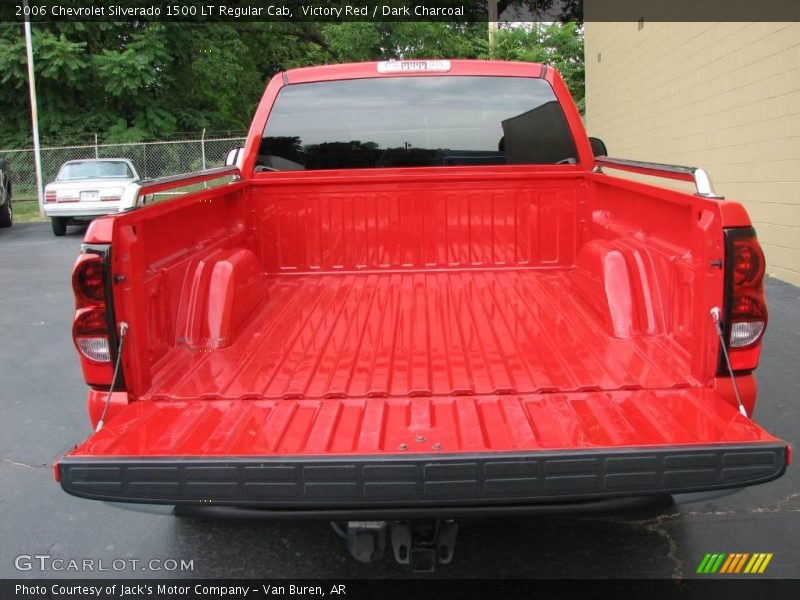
{"x": 423, "y": 451}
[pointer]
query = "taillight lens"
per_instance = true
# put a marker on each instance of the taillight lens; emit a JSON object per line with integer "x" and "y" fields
{"x": 50, "y": 197}
{"x": 746, "y": 333}
{"x": 90, "y": 332}
{"x": 90, "y": 327}
{"x": 748, "y": 262}
{"x": 748, "y": 319}
{"x": 67, "y": 197}
{"x": 94, "y": 348}
{"x": 87, "y": 280}
{"x": 747, "y": 312}
{"x": 110, "y": 194}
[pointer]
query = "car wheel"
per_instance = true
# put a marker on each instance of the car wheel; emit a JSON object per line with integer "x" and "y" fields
{"x": 59, "y": 225}
{"x": 6, "y": 214}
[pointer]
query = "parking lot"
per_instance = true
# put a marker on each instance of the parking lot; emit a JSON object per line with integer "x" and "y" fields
{"x": 42, "y": 415}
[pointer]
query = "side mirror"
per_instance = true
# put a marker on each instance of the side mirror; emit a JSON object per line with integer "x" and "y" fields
{"x": 234, "y": 157}
{"x": 598, "y": 147}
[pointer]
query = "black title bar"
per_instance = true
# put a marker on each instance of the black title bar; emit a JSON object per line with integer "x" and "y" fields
{"x": 510, "y": 11}
{"x": 389, "y": 589}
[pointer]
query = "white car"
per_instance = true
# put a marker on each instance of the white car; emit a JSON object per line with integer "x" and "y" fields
{"x": 85, "y": 189}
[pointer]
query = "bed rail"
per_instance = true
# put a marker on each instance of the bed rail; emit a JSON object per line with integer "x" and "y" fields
{"x": 696, "y": 175}
{"x": 136, "y": 194}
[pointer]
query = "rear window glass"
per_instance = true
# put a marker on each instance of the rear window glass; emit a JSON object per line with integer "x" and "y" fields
{"x": 94, "y": 170}
{"x": 415, "y": 122}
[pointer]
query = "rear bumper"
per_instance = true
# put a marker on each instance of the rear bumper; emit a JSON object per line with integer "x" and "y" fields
{"x": 81, "y": 210}
{"x": 422, "y": 481}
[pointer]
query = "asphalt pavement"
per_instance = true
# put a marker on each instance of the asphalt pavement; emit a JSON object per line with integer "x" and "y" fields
{"x": 42, "y": 415}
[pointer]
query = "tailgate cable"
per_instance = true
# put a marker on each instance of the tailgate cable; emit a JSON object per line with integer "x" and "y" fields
{"x": 123, "y": 327}
{"x": 721, "y": 335}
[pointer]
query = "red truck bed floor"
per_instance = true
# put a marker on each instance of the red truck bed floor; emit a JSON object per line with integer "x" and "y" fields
{"x": 439, "y": 425}
{"x": 349, "y": 335}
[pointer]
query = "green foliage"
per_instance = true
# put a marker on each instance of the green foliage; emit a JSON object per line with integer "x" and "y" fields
{"x": 384, "y": 41}
{"x": 137, "y": 81}
{"x": 554, "y": 44}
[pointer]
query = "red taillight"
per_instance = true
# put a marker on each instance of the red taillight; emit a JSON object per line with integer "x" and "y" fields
{"x": 50, "y": 197}
{"x": 87, "y": 280}
{"x": 748, "y": 307}
{"x": 90, "y": 328}
{"x": 747, "y": 311}
{"x": 90, "y": 332}
{"x": 748, "y": 262}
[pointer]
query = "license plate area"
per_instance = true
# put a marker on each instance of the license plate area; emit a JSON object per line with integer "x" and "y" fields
{"x": 90, "y": 196}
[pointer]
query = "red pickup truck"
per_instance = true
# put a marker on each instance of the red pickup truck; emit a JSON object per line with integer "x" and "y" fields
{"x": 416, "y": 295}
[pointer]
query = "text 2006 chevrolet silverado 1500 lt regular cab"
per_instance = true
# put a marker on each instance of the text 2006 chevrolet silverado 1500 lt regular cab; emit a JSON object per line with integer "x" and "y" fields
{"x": 419, "y": 296}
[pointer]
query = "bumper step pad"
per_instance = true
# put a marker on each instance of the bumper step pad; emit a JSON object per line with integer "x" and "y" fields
{"x": 383, "y": 481}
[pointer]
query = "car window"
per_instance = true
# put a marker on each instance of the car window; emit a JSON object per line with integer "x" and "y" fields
{"x": 93, "y": 169}
{"x": 415, "y": 121}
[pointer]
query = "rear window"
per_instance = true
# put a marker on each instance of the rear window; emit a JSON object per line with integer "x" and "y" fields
{"x": 92, "y": 169}
{"x": 415, "y": 122}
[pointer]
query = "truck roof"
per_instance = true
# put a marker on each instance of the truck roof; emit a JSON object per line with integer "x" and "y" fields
{"x": 415, "y": 68}
{"x": 81, "y": 160}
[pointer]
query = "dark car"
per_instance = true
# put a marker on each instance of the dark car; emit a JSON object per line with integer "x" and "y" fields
{"x": 6, "y": 215}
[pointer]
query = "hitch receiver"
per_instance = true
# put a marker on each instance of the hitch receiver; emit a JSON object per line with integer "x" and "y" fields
{"x": 422, "y": 544}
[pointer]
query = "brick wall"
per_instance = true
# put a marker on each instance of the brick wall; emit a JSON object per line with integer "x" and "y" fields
{"x": 723, "y": 96}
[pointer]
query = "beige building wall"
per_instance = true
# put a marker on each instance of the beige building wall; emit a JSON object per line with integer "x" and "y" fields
{"x": 723, "y": 96}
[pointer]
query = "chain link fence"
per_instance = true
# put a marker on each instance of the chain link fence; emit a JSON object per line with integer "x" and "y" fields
{"x": 151, "y": 159}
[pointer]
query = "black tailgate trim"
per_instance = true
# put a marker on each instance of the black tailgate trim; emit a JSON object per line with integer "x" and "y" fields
{"x": 380, "y": 481}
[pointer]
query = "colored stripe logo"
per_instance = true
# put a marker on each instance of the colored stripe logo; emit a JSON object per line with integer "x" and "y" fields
{"x": 734, "y": 563}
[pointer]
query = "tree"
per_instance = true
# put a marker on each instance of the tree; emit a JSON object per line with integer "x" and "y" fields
{"x": 139, "y": 81}
{"x": 556, "y": 44}
{"x": 135, "y": 81}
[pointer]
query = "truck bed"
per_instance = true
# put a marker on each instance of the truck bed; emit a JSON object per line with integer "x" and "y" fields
{"x": 366, "y": 339}
{"x": 421, "y": 390}
{"x": 441, "y": 333}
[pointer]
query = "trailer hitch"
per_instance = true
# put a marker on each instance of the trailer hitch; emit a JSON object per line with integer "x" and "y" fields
{"x": 424, "y": 544}
{"x": 421, "y": 543}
